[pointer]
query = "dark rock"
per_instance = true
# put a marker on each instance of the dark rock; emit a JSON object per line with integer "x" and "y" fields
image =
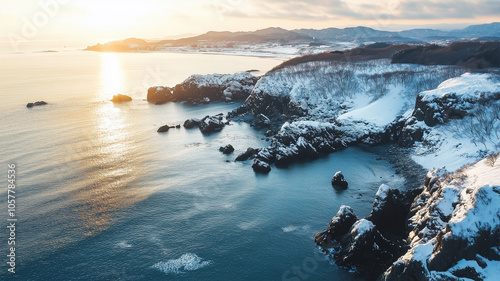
{"x": 178, "y": 126}
{"x": 191, "y": 123}
{"x": 262, "y": 121}
{"x": 159, "y": 95}
{"x": 365, "y": 248}
{"x": 163, "y": 129}
{"x": 339, "y": 226}
{"x": 390, "y": 210}
{"x": 211, "y": 124}
{"x": 250, "y": 153}
{"x": 338, "y": 181}
{"x": 269, "y": 133}
{"x": 38, "y": 103}
{"x": 228, "y": 149}
{"x": 260, "y": 166}
{"x": 120, "y": 98}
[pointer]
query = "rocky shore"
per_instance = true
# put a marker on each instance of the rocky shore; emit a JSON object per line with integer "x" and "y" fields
{"x": 445, "y": 227}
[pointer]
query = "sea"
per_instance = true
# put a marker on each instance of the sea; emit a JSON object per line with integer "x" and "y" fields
{"x": 100, "y": 195}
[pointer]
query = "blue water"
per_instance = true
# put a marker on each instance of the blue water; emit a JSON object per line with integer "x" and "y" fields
{"x": 102, "y": 196}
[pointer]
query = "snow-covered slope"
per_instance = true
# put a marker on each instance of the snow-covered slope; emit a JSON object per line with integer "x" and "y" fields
{"x": 456, "y": 227}
{"x": 458, "y": 123}
{"x": 325, "y": 90}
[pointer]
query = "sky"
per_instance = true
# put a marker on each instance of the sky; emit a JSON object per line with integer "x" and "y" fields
{"x": 105, "y": 20}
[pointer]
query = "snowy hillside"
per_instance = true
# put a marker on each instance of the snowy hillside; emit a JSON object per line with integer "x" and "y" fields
{"x": 459, "y": 121}
{"x": 324, "y": 90}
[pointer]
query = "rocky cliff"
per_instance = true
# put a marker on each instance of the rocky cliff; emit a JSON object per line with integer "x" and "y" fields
{"x": 206, "y": 88}
{"x": 448, "y": 230}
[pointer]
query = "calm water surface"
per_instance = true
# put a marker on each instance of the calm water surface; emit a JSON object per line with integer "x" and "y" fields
{"x": 102, "y": 196}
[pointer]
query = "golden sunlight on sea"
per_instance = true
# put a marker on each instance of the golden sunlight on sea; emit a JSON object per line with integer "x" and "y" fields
{"x": 111, "y": 75}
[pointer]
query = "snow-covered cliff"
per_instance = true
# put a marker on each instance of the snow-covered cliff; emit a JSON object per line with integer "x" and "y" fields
{"x": 206, "y": 88}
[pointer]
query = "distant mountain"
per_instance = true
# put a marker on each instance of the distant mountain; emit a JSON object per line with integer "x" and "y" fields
{"x": 268, "y": 35}
{"x": 484, "y": 31}
{"x": 358, "y": 34}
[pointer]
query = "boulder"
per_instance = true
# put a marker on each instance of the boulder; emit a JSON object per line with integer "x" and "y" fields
{"x": 250, "y": 153}
{"x": 120, "y": 98}
{"x": 163, "y": 129}
{"x": 211, "y": 124}
{"x": 228, "y": 149}
{"x": 338, "y": 181}
{"x": 38, "y": 103}
{"x": 159, "y": 95}
{"x": 262, "y": 121}
{"x": 260, "y": 166}
{"x": 191, "y": 123}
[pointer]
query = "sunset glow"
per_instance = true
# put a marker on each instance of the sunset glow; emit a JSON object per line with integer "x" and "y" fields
{"x": 58, "y": 19}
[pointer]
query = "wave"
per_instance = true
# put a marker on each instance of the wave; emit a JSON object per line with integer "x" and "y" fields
{"x": 187, "y": 262}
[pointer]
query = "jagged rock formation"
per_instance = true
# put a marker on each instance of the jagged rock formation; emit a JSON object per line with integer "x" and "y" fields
{"x": 211, "y": 124}
{"x": 371, "y": 244}
{"x": 448, "y": 230}
{"x": 205, "y": 89}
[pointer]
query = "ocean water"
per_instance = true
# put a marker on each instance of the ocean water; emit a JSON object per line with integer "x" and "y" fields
{"x": 101, "y": 196}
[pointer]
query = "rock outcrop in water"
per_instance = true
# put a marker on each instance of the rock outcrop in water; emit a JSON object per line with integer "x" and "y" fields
{"x": 338, "y": 181}
{"x": 120, "y": 98}
{"x": 38, "y": 103}
{"x": 191, "y": 123}
{"x": 228, "y": 149}
{"x": 448, "y": 230}
{"x": 211, "y": 124}
{"x": 205, "y": 89}
{"x": 248, "y": 154}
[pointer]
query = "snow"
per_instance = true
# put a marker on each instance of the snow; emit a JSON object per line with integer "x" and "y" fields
{"x": 449, "y": 145}
{"x": 480, "y": 201}
{"x": 382, "y": 191}
{"x": 344, "y": 211}
{"x": 360, "y": 227}
{"x": 382, "y": 111}
{"x": 471, "y": 199}
{"x": 468, "y": 86}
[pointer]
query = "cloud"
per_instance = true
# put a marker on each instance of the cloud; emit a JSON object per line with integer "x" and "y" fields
{"x": 318, "y": 10}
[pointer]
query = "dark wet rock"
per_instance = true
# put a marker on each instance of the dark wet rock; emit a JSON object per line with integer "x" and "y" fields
{"x": 248, "y": 154}
{"x": 260, "y": 166}
{"x": 228, "y": 149}
{"x": 211, "y": 124}
{"x": 262, "y": 121}
{"x": 191, "y": 123}
{"x": 38, "y": 103}
{"x": 365, "y": 249}
{"x": 339, "y": 226}
{"x": 269, "y": 133}
{"x": 120, "y": 98}
{"x": 338, "y": 181}
{"x": 163, "y": 129}
{"x": 159, "y": 95}
{"x": 390, "y": 210}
